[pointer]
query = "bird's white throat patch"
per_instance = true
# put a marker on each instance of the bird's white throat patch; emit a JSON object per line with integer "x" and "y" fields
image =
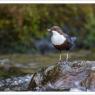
{"x": 57, "y": 38}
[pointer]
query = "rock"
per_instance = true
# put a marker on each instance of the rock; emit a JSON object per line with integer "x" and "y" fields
{"x": 89, "y": 82}
{"x": 64, "y": 76}
{"x": 15, "y": 83}
{"x": 4, "y": 61}
{"x": 6, "y": 64}
{"x": 75, "y": 90}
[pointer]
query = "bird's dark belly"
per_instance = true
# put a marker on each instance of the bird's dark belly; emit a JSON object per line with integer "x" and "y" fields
{"x": 64, "y": 46}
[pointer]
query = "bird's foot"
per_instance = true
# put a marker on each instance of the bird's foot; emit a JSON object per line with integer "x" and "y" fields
{"x": 66, "y": 62}
{"x": 67, "y": 57}
{"x": 60, "y": 61}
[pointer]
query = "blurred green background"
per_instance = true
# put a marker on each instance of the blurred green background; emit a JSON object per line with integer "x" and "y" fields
{"x": 23, "y": 27}
{"x": 21, "y": 24}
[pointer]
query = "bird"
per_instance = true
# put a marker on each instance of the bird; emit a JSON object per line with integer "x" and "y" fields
{"x": 60, "y": 40}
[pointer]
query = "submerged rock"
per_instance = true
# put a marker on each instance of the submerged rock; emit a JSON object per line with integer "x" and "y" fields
{"x": 65, "y": 76}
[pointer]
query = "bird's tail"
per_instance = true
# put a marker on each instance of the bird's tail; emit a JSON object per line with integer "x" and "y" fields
{"x": 73, "y": 39}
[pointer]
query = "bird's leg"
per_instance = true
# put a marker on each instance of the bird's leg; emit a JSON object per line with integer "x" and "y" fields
{"x": 60, "y": 56}
{"x": 67, "y": 57}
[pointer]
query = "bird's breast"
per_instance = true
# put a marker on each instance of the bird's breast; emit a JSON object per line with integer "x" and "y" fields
{"x": 60, "y": 42}
{"x": 58, "y": 39}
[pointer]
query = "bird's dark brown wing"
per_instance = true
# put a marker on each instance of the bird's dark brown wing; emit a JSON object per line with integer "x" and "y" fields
{"x": 65, "y": 46}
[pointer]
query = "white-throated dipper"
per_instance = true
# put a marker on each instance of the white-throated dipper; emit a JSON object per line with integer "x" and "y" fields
{"x": 60, "y": 40}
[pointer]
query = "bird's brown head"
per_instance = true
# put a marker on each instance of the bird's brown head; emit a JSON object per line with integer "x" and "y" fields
{"x": 56, "y": 28}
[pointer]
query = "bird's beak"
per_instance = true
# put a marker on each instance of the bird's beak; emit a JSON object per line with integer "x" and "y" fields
{"x": 48, "y": 30}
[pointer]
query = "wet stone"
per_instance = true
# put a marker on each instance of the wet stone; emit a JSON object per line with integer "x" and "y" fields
{"x": 15, "y": 83}
{"x": 64, "y": 76}
{"x": 71, "y": 76}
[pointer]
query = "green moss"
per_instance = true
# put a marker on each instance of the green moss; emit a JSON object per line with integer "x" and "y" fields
{"x": 12, "y": 72}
